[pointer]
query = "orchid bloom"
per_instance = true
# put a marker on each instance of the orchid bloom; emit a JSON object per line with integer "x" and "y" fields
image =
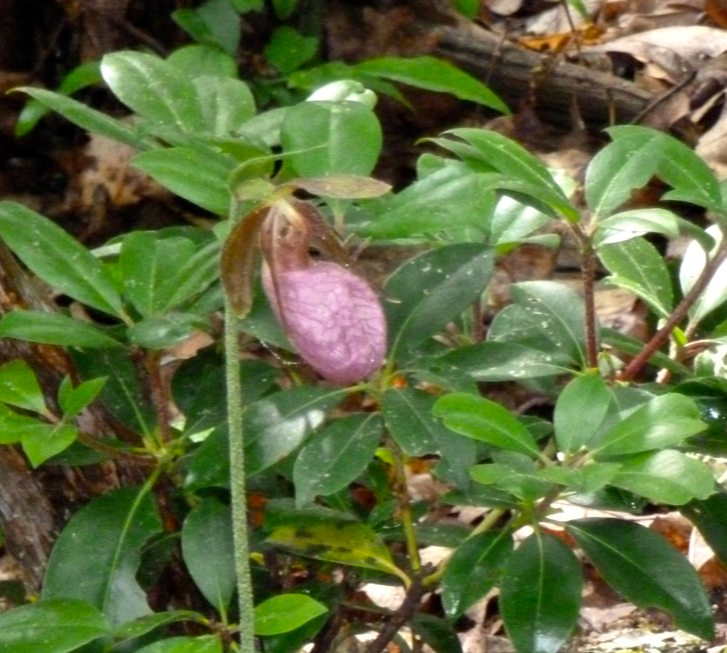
{"x": 332, "y": 316}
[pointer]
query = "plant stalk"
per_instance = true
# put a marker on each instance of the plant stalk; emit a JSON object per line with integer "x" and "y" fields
{"x": 402, "y": 497}
{"x": 237, "y": 481}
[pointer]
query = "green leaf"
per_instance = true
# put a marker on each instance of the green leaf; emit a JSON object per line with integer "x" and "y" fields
{"x": 154, "y": 89}
{"x": 284, "y": 8}
{"x": 123, "y": 393}
{"x": 680, "y": 167}
{"x": 326, "y": 535}
{"x": 528, "y": 487}
{"x": 408, "y": 416}
{"x": 515, "y": 162}
{"x": 336, "y": 456}
{"x": 43, "y": 441}
{"x": 209, "y": 553}
{"x": 451, "y": 198}
{"x": 226, "y": 104}
{"x": 710, "y": 517}
{"x": 436, "y": 633}
{"x": 558, "y": 310}
{"x": 288, "y": 49}
{"x": 278, "y": 424}
{"x": 202, "y": 60}
{"x": 97, "y": 555}
{"x": 160, "y": 273}
{"x": 19, "y": 387}
{"x": 53, "y": 329}
{"x": 431, "y": 289}
{"x": 474, "y": 568}
{"x": 144, "y": 625}
{"x": 619, "y": 168}
{"x": 331, "y": 138}
{"x": 12, "y": 425}
{"x": 196, "y": 384}
{"x": 646, "y": 570}
{"x": 487, "y": 421}
{"x": 86, "y": 118}
{"x": 629, "y": 224}
{"x": 494, "y": 361}
{"x": 196, "y": 176}
{"x": 693, "y": 263}
{"x": 540, "y": 594}
{"x": 203, "y": 644}
{"x": 58, "y": 626}
{"x": 433, "y": 74}
{"x": 214, "y": 21}
{"x": 668, "y": 476}
{"x": 57, "y": 258}
{"x": 637, "y": 266}
{"x": 574, "y": 427}
{"x": 164, "y": 331}
{"x": 661, "y": 422}
{"x": 286, "y": 612}
{"x": 632, "y": 346}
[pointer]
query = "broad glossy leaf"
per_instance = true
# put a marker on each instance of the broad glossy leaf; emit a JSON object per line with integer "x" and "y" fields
{"x": 154, "y": 89}
{"x": 408, "y": 416}
{"x": 87, "y": 118}
{"x": 13, "y": 425}
{"x": 487, "y": 421}
{"x": 574, "y": 426}
{"x": 19, "y": 387}
{"x": 57, "y": 626}
{"x": 336, "y": 456}
{"x": 620, "y": 167}
{"x": 203, "y": 644}
{"x": 540, "y": 594}
{"x": 528, "y": 487}
{"x": 226, "y": 103}
{"x": 208, "y": 551}
{"x": 278, "y": 424}
{"x": 325, "y": 535}
{"x": 513, "y": 160}
{"x": 288, "y": 49}
{"x": 629, "y": 224}
{"x": 196, "y": 385}
{"x": 710, "y": 517}
{"x": 437, "y": 634}
{"x": 506, "y": 361}
{"x": 203, "y": 60}
{"x": 433, "y": 74}
{"x": 43, "y": 441}
{"x": 661, "y": 422}
{"x": 98, "y": 553}
{"x": 474, "y": 568}
{"x": 164, "y": 331}
{"x": 632, "y": 346}
{"x": 558, "y": 310}
{"x": 431, "y": 289}
{"x": 144, "y": 625}
{"x": 646, "y": 570}
{"x": 679, "y": 166}
{"x": 331, "y": 138}
{"x": 53, "y": 329}
{"x": 693, "y": 263}
{"x": 637, "y": 266}
{"x": 286, "y": 612}
{"x": 451, "y": 198}
{"x": 57, "y": 258}
{"x": 667, "y": 476}
{"x": 512, "y": 221}
{"x": 196, "y": 176}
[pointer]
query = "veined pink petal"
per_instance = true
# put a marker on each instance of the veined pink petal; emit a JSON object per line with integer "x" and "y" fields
{"x": 332, "y": 317}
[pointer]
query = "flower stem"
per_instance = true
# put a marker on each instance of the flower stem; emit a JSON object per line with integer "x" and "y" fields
{"x": 237, "y": 481}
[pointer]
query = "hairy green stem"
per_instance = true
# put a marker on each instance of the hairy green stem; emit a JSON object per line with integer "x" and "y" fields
{"x": 237, "y": 481}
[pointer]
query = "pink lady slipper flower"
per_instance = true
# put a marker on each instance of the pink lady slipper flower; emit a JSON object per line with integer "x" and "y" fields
{"x": 332, "y": 316}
